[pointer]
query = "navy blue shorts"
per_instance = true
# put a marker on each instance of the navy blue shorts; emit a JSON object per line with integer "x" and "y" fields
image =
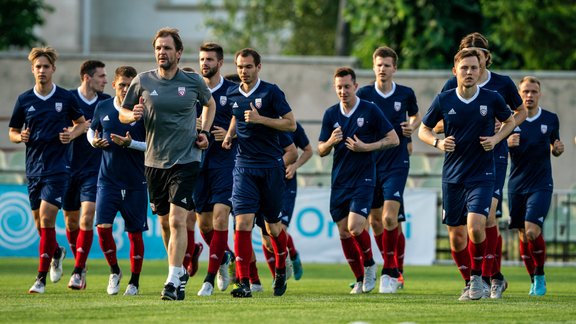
{"x": 132, "y": 205}
{"x": 81, "y": 187}
{"x": 49, "y": 188}
{"x": 172, "y": 186}
{"x": 389, "y": 186}
{"x": 258, "y": 190}
{"x": 401, "y": 213}
{"x": 345, "y": 200}
{"x": 214, "y": 186}
{"x": 459, "y": 199}
{"x": 289, "y": 201}
{"x": 532, "y": 207}
{"x": 500, "y": 173}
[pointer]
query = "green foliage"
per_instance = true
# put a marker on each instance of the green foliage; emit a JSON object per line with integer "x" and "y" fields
{"x": 536, "y": 34}
{"x": 302, "y": 27}
{"x": 17, "y": 21}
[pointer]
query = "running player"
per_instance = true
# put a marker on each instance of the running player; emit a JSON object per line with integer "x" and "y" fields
{"x": 354, "y": 128}
{"x": 41, "y": 120}
{"x": 121, "y": 181}
{"x": 260, "y": 112}
{"x": 396, "y": 102}
{"x": 81, "y": 191}
{"x": 468, "y": 113}
{"x": 214, "y": 187}
{"x": 495, "y": 282}
{"x": 530, "y": 184}
{"x": 166, "y": 99}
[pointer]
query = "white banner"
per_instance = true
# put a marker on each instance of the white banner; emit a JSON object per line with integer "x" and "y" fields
{"x": 316, "y": 235}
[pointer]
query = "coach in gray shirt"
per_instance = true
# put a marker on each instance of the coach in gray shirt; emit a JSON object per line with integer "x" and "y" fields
{"x": 166, "y": 98}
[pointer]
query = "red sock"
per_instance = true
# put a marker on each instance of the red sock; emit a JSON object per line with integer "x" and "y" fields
{"x": 352, "y": 256}
{"x": 538, "y": 250}
{"x": 46, "y": 248}
{"x": 72, "y": 239}
{"x": 498, "y": 255}
{"x": 389, "y": 242}
{"x": 526, "y": 256}
{"x": 476, "y": 251}
{"x": 491, "y": 245}
{"x": 218, "y": 243}
{"x": 190, "y": 247}
{"x": 291, "y": 247}
{"x": 83, "y": 246}
{"x": 207, "y": 236}
{"x": 254, "y": 272}
{"x": 279, "y": 244}
{"x": 365, "y": 245}
{"x": 243, "y": 251}
{"x": 462, "y": 259}
{"x": 400, "y": 248}
{"x": 270, "y": 260}
{"x": 136, "y": 251}
{"x": 378, "y": 238}
{"x": 107, "y": 244}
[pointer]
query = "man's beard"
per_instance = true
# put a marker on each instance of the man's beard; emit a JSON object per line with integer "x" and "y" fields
{"x": 211, "y": 72}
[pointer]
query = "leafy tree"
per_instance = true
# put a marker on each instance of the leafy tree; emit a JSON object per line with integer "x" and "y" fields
{"x": 17, "y": 21}
{"x": 303, "y": 27}
{"x": 532, "y": 34}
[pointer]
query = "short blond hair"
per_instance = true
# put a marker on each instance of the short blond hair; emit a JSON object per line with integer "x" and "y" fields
{"x": 48, "y": 52}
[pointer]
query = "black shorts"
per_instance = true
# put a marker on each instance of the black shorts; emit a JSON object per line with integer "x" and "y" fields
{"x": 172, "y": 186}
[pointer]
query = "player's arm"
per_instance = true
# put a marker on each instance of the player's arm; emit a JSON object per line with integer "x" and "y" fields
{"x": 489, "y": 142}
{"x": 356, "y": 145}
{"x": 128, "y": 116}
{"x": 557, "y": 148}
{"x": 439, "y": 128}
{"x": 227, "y": 142}
{"x": 427, "y": 135}
{"x": 79, "y": 127}
{"x": 290, "y": 154}
{"x": 324, "y": 148}
{"x": 411, "y": 125}
{"x": 208, "y": 113}
{"x": 520, "y": 114}
{"x": 17, "y": 135}
{"x": 285, "y": 124}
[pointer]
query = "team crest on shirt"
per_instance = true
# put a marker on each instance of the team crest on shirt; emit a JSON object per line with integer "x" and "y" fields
{"x": 58, "y": 107}
{"x": 258, "y": 103}
{"x": 397, "y": 105}
{"x": 483, "y": 110}
{"x": 223, "y": 100}
{"x": 360, "y": 121}
{"x": 543, "y": 128}
{"x": 181, "y": 91}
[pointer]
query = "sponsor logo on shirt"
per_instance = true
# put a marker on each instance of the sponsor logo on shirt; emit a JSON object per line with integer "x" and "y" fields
{"x": 364, "y": 210}
{"x": 452, "y": 112}
{"x": 235, "y": 105}
{"x": 258, "y": 103}
{"x": 483, "y": 110}
{"x": 106, "y": 118}
{"x": 517, "y": 129}
{"x": 181, "y": 91}
{"x": 397, "y": 105}
{"x": 360, "y": 121}
{"x": 336, "y": 125}
{"x": 58, "y": 106}
{"x": 153, "y": 93}
{"x": 31, "y": 109}
{"x": 543, "y": 128}
{"x": 223, "y": 100}
{"x": 397, "y": 194}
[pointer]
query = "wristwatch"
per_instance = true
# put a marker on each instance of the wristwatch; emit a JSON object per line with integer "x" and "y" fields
{"x": 205, "y": 132}
{"x": 436, "y": 142}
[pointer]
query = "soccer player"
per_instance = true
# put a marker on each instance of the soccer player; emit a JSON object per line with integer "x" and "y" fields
{"x": 260, "y": 112}
{"x": 354, "y": 128}
{"x": 41, "y": 120}
{"x": 495, "y": 282}
{"x": 166, "y": 98}
{"x": 396, "y": 102}
{"x": 121, "y": 181}
{"x": 468, "y": 113}
{"x": 214, "y": 187}
{"x": 85, "y": 161}
{"x": 530, "y": 184}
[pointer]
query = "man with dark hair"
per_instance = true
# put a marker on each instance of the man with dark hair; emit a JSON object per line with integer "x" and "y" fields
{"x": 166, "y": 99}
{"x": 41, "y": 120}
{"x": 354, "y": 128}
{"x": 81, "y": 192}
{"x": 530, "y": 184}
{"x": 260, "y": 112}
{"x": 121, "y": 181}
{"x": 468, "y": 113}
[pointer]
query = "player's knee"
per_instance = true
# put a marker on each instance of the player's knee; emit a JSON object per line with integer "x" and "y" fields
{"x": 532, "y": 234}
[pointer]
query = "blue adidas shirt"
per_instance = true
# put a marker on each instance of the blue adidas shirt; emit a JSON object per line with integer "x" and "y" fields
{"x": 352, "y": 169}
{"x": 46, "y": 116}
{"x": 467, "y": 120}
{"x": 530, "y": 169}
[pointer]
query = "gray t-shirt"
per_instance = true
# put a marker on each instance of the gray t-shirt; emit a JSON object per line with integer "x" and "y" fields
{"x": 169, "y": 115}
